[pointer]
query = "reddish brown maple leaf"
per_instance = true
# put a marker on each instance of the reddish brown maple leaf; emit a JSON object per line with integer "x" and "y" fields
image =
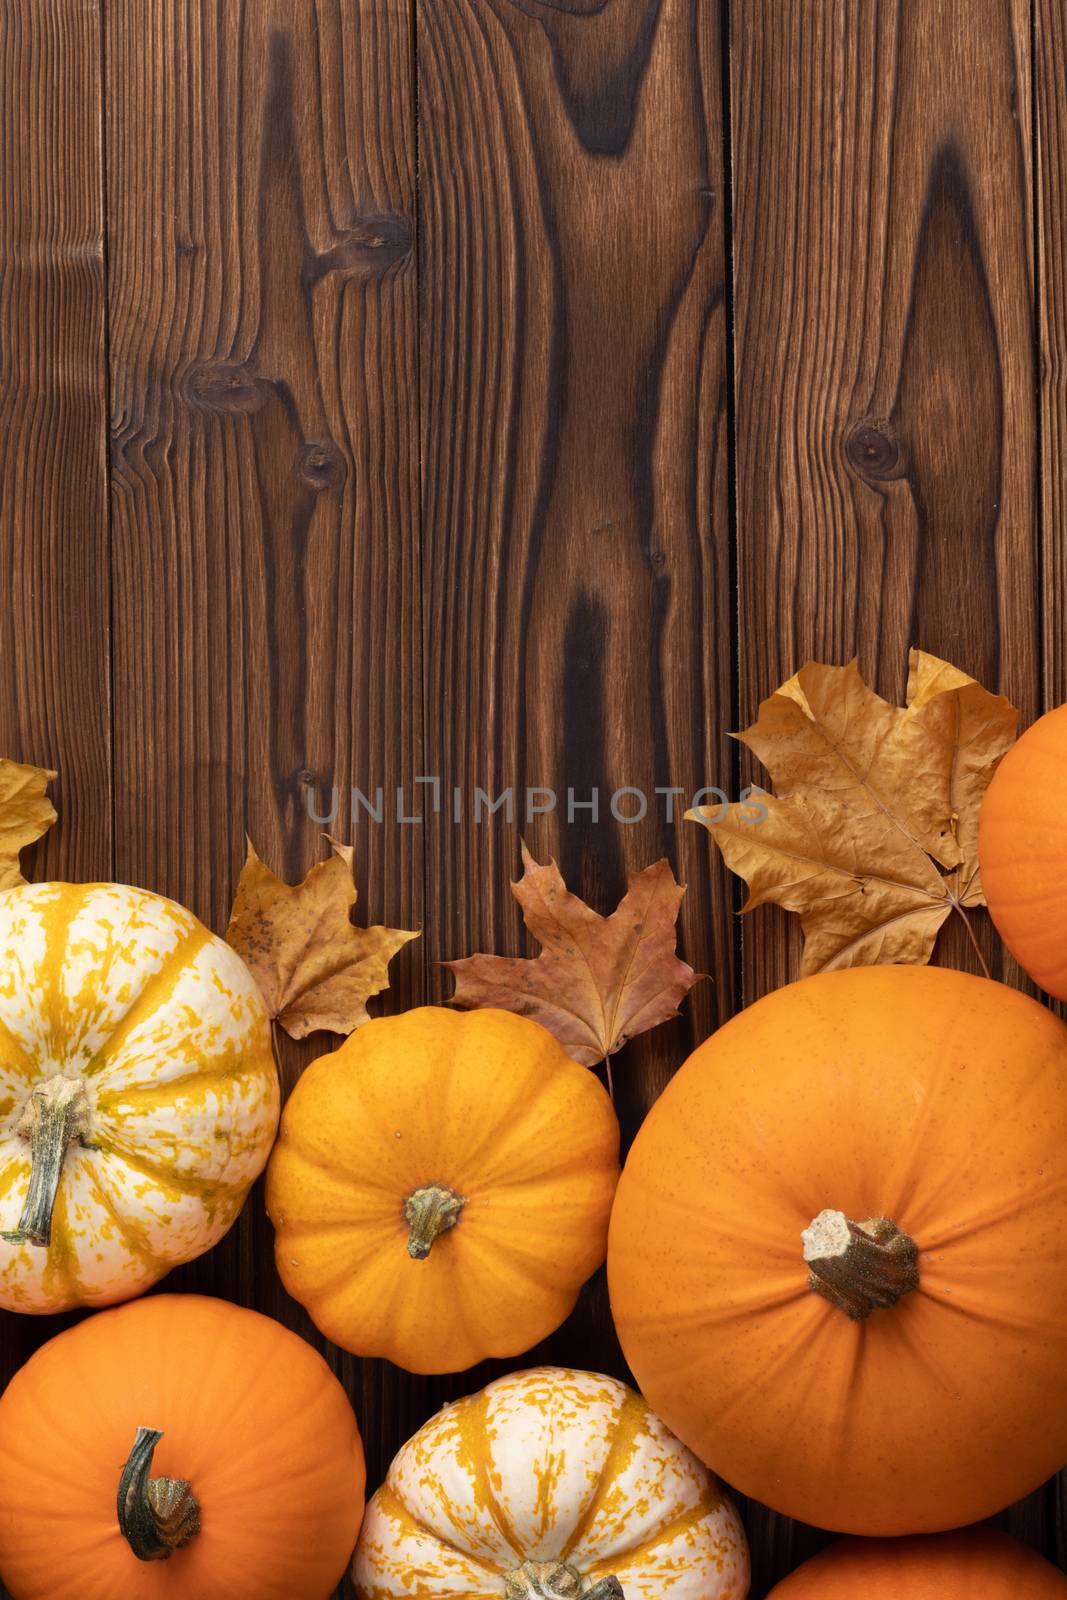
{"x": 598, "y": 980}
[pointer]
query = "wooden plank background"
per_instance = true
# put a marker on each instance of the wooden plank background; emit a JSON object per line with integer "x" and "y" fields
{"x": 512, "y": 393}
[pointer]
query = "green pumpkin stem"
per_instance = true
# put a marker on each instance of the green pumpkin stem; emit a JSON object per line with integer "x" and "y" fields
{"x": 156, "y": 1515}
{"x": 428, "y": 1213}
{"x": 557, "y": 1580}
{"x": 56, "y": 1116}
{"x": 860, "y": 1266}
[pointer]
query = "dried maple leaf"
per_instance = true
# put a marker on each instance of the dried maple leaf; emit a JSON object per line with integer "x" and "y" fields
{"x": 598, "y": 980}
{"x": 314, "y": 968}
{"x": 872, "y": 832}
{"x": 25, "y": 814}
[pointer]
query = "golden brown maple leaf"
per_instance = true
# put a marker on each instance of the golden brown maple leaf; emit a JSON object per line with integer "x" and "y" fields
{"x": 314, "y": 968}
{"x": 872, "y": 832}
{"x": 598, "y": 980}
{"x": 25, "y": 814}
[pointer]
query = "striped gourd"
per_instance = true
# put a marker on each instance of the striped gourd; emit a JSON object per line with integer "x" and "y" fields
{"x": 554, "y": 1484}
{"x": 138, "y": 1092}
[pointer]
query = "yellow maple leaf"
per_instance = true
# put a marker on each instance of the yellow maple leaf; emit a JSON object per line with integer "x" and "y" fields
{"x": 598, "y": 980}
{"x": 25, "y": 814}
{"x": 314, "y": 968}
{"x": 872, "y": 831}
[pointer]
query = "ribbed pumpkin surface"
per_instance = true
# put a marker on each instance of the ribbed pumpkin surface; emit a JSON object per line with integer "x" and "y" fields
{"x": 128, "y": 994}
{"x": 252, "y": 1418}
{"x": 542, "y": 1467}
{"x": 929, "y": 1097}
{"x": 484, "y": 1104}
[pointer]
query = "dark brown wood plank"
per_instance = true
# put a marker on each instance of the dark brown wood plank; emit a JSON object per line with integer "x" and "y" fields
{"x": 263, "y": 342}
{"x": 54, "y": 555}
{"x": 886, "y": 437}
{"x": 578, "y": 586}
{"x": 54, "y": 707}
{"x": 885, "y": 367}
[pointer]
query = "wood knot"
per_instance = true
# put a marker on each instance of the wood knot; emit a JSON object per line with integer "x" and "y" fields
{"x": 369, "y": 247}
{"x": 391, "y": 234}
{"x": 321, "y": 465}
{"x": 225, "y": 387}
{"x": 873, "y": 449}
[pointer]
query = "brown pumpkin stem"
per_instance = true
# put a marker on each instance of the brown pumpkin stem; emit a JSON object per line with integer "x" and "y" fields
{"x": 156, "y": 1515}
{"x": 859, "y": 1266}
{"x": 557, "y": 1580}
{"x": 56, "y": 1115}
{"x": 428, "y": 1213}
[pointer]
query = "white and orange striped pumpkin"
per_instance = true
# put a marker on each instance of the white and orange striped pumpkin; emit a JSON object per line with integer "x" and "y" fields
{"x": 554, "y": 1484}
{"x": 138, "y": 1093}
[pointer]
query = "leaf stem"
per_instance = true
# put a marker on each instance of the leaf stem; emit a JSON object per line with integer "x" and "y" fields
{"x": 971, "y": 935}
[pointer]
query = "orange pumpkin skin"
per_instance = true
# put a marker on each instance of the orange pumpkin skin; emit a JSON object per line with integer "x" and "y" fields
{"x": 951, "y": 1566}
{"x": 483, "y": 1106}
{"x": 251, "y": 1416}
{"x": 933, "y": 1098}
{"x": 1022, "y": 851}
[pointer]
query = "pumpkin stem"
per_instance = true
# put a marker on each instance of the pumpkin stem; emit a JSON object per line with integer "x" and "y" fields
{"x": 156, "y": 1515}
{"x": 557, "y": 1580}
{"x": 859, "y": 1266}
{"x": 430, "y": 1212}
{"x": 56, "y": 1115}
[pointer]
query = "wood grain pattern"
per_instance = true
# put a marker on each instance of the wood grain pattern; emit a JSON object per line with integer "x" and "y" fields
{"x": 266, "y": 560}
{"x": 885, "y": 371}
{"x": 54, "y": 619}
{"x": 574, "y": 445}
{"x": 54, "y": 700}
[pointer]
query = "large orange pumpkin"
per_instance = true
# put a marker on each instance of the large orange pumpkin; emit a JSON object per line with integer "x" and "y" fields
{"x": 1022, "y": 851}
{"x": 244, "y": 1469}
{"x": 979, "y": 1562}
{"x": 838, "y": 1258}
{"x": 441, "y": 1187}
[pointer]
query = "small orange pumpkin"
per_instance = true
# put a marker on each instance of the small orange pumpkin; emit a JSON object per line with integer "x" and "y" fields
{"x": 244, "y": 1470}
{"x": 1022, "y": 851}
{"x": 949, "y": 1566}
{"x": 838, "y": 1259}
{"x": 441, "y": 1187}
